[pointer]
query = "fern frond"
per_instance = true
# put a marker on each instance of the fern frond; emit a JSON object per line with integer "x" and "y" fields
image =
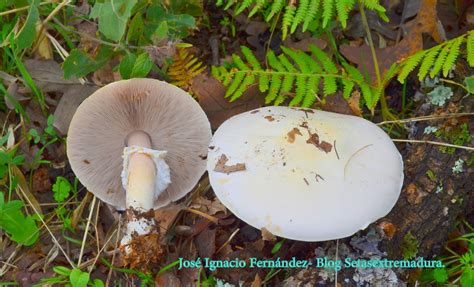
{"x": 275, "y": 85}
{"x": 470, "y": 48}
{"x": 257, "y": 7}
{"x": 328, "y": 7}
{"x": 410, "y": 65}
{"x": 301, "y": 13}
{"x": 293, "y": 74}
{"x": 288, "y": 18}
{"x": 327, "y": 63}
{"x": 373, "y": 5}
{"x": 428, "y": 62}
{"x": 184, "y": 69}
{"x": 251, "y": 59}
{"x": 438, "y": 64}
{"x": 274, "y": 9}
{"x": 313, "y": 9}
{"x": 312, "y": 91}
{"x": 244, "y": 5}
{"x": 343, "y": 7}
{"x": 452, "y": 56}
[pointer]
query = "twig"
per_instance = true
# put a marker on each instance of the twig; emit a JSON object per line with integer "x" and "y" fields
{"x": 109, "y": 276}
{"x": 434, "y": 143}
{"x": 22, "y": 8}
{"x": 205, "y": 215}
{"x": 84, "y": 238}
{"x": 228, "y": 240}
{"x": 426, "y": 118}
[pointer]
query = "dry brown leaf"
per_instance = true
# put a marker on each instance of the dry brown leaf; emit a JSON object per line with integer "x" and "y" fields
{"x": 207, "y": 206}
{"x": 167, "y": 215}
{"x": 267, "y": 235}
{"x": 257, "y": 282}
{"x": 68, "y": 105}
{"x": 77, "y": 213}
{"x": 210, "y": 94}
{"x": 166, "y": 279}
{"x": 44, "y": 50}
{"x": 354, "y": 103}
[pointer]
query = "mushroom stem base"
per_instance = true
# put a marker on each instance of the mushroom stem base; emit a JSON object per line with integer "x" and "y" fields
{"x": 140, "y": 247}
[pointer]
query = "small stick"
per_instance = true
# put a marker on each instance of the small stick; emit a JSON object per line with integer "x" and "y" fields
{"x": 426, "y": 118}
{"x": 228, "y": 240}
{"x": 200, "y": 213}
{"x": 434, "y": 143}
{"x": 84, "y": 238}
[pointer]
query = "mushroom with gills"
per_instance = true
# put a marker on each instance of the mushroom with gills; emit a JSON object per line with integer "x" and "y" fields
{"x": 304, "y": 174}
{"x": 138, "y": 145}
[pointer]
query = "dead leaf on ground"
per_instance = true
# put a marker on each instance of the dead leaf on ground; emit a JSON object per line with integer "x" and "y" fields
{"x": 206, "y": 242}
{"x": 207, "y": 206}
{"x": 68, "y": 105}
{"x": 257, "y": 282}
{"x": 210, "y": 93}
{"x": 167, "y": 215}
{"x": 166, "y": 279}
{"x": 267, "y": 235}
{"x": 337, "y": 104}
{"x": 426, "y": 22}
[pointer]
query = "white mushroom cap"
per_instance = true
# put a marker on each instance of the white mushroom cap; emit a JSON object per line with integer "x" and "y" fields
{"x": 304, "y": 174}
{"x": 172, "y": 118}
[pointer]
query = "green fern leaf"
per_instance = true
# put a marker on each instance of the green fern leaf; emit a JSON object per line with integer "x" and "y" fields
{"x": 452, "y": 56}
{"x": 330, "y": 85}
{"x": 263, "y": 82}
{"x": 229, "y": 4}
{"x": 470, "y": 49}
{"x": 354, "y": 73}
{"x": 440, "y": 60}
{"x": 311, "y": 63}
{"x": 348, "y": 86}
{"x": 287, "y": 20}
{"x": 311, "y": 92}
{"x": 274, "y": 62}
{"x": 410, "y": 64}
{"x": 428, "y": 61}
{"x": 274, "y": 9}
{"x": 343, "y": 7}
{"x": 274, "y": 89}
{"x": 300, "y": 90}
{"x": 366, "y": 94}
{"x": 328, "y": 7}
{"x": 239, "y": 63}
{"x": 374, "y": 98}
{"x": 301, "y": 13}
{"x": 244, "y": 5}
{"x": 327, "y": 63}
{"x": 280, "y": 99}
{"x": 248, "y": 80}
{"x": 297, "y": 58}
{"x": 313, "y": 10}
{"x": 258, "y": 6}
{"x": 238, "y": 78}
{"x": 251, "y": 59}
{"x": 373, "y": 5}
{"x": 286, "y": 63}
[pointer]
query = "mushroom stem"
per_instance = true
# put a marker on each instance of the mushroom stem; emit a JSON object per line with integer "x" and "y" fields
{"x": 142, "y": 172}
{"x": 140, "y": 197}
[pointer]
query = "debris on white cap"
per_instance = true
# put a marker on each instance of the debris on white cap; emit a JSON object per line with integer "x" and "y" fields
{"x": 304, "y": 174}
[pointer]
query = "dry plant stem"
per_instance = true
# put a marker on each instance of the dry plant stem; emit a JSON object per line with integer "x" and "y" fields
{"x": 426, "y": 118}
{"x": 205, "y": 215}
{"x": 23, "y": 8}
{"x": 228, "y": 240}
{"x": 435, "y": 143}
{"x": 383, "y": 102}
{"x": 51, "y": 15}
{"x": 84, "y": 238}
{"x": 109, "y": 276}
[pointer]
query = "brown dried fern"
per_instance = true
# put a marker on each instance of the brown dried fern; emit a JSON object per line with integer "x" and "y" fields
{"x": 184, "y": 68}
